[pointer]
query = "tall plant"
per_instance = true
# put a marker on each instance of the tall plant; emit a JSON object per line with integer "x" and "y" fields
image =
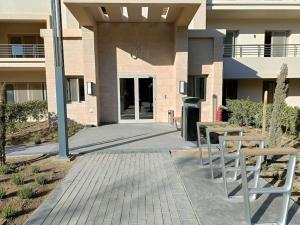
{"x": 2, "y": 124}
{"x": 278, "y": 108}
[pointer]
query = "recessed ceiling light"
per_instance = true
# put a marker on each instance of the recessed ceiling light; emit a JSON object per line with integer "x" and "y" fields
{"x": 165, "y": 12}
{"x": 145, "y": 11}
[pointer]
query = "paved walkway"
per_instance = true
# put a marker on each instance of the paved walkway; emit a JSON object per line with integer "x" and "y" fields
{"x": 151, "y": 137}
{"x": 113, "y": 189}
{"x": 211, "y": 206}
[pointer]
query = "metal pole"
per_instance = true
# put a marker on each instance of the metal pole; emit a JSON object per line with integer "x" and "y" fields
{"x": 60, "y": 79}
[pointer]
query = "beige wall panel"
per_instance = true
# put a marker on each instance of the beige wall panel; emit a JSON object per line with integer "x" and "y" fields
{"x": 7, "y": 29}
{"x": 22, "y": 76}
{"x": 153, "y": 45}
{"x": 293, "y": 98}
{"x": 250, "y": 88}
{"x": 73, "y": 56}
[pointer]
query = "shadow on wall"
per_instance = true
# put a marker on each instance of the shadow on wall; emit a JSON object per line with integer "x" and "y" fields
{"x": 130, "y": 48}
{"x": 233, "y": 69}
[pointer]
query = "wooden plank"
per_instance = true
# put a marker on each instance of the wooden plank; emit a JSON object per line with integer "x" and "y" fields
{"x": 243, "y": 138}
{"x": 270, "y": 151}
{"x": 225, "y": 129}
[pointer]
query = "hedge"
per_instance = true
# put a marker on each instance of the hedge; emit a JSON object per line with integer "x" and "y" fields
{"x": 22, "y": 112}
{"x": 248, "y": 113}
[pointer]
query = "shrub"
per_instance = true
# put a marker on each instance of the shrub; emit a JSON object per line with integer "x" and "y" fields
{"x": 2, "y": 193}
{"x": 17, "y": 180}
{"x": 21, "y": 112}
{"x": 35, "y": 169}
{"x": 25, "y": 193}
{"x": 7, "y": 212}
{"x": 37, "y": 139}
{"x": 41, "y": 180}
{"x": 247, "y": 113}
{"x": 279, "y": 105}
{"x": 4, "y": 170}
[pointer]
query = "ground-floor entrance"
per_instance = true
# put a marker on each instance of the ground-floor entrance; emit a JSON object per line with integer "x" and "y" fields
{"x": 136, "y": 99}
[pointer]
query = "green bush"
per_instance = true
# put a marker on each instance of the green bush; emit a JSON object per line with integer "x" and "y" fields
{"x": 35, "y": 169}
{"x": 248, "y": 113}
{"x": 37, "y": 139}
{"x": 17, "y": 180}
{"x": 7, "y": 212}
{"x": 41, "y": 180}
{"x": 25, "y": 193}
{"x": 2, "y": 193}
{"x": 4, "y": 170}
{"x": 21, "y": 112}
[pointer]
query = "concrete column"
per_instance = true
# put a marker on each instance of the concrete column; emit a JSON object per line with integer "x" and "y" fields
{"x": 217, "y": 74}
{"x": 50, "y": 69}
{"x": 180, "y": 64}
{"x": 90, "y": 63}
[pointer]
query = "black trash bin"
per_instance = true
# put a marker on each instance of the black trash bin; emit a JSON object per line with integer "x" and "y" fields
{"x": 190, "y": 116}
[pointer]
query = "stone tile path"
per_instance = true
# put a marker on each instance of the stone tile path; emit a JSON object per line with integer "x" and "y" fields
{"x": 113, "y": 189}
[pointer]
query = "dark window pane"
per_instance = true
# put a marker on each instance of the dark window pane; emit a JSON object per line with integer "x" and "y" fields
{"x": 81, "y": 90}
{"x": 197, "y": 87}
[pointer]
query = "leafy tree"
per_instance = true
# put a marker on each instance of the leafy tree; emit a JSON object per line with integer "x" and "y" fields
{"x": 278, "y": 108}
{"x": 2, "y": 124}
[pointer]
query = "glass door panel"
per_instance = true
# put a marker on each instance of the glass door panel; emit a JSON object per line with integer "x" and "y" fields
{"x": 127, "y": 99}
{"x": 146, "y": 98}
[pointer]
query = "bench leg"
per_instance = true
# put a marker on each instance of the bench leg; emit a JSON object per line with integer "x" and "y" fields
{"x": 245, "y": 190}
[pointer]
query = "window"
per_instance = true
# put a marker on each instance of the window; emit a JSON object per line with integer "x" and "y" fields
{"x": 23, "y": 45}
{"x": 197, "y": 87}
{"x": 75, "y": 89}
{"x": 230, "y": 42}
{"x": 269, "y": 85}
{"x": 229, "y": 90}
{"x": 23, "y": 92}
{"x": 275, "y": 43}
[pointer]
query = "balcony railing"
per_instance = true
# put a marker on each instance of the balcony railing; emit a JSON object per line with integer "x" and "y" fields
{"x": 291, "y": 50}
{"x": 22, "y": 51}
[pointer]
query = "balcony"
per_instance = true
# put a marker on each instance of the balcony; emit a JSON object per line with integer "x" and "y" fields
{"x": 260, "y": 61}
{"x": 22, "y": 51}
{"x": 22, "y": 57}
{"x": 236, "y": 51}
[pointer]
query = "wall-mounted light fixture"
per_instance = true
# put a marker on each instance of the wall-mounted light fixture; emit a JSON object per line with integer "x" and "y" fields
{"x": 90, "y": 88}
{"x": 182, "y": 87}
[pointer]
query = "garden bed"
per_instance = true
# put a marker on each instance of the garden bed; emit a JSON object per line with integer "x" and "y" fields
{"x": 36, "y": 176}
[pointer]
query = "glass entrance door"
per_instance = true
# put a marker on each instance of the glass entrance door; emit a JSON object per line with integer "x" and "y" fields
{"x": 136, "y": 99}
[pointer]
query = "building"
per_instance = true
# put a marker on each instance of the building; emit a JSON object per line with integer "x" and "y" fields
{"x": 135, "y": 54}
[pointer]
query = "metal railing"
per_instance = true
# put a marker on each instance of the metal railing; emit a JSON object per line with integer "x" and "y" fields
{"x": 22, "y": 51}
{"x": 290, "y": 50}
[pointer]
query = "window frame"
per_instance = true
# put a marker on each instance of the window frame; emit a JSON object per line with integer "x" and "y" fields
{"x": 68, "y": 89}
{"x": 191, "y": 90}
{"x": 28, "y": 96}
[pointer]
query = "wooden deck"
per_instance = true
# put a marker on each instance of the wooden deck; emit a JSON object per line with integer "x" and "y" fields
{"x": 113, "y": 189}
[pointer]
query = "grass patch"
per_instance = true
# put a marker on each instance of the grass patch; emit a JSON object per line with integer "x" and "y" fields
{"x": 7, "y": 212}
{"x": 2, "y": 192}
{"x": 17, "y": 180}
{"x": 4, "y": 170}
{"x": 35, "y": 169}
{"x": 41, "y": 180}
{"x": 25, "y": 193}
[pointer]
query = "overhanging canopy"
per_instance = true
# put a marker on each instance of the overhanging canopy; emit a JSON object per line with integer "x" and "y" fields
{"x": 180, "y": 12}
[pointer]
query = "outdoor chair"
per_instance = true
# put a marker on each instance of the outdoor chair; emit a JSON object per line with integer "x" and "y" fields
{"x": 235, "y": 155}
{"x": 285, "y": 190}
{"x": 225, "y": 131}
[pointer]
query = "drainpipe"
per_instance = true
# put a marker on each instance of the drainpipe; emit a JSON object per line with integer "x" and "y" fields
{"x": 60, "y": 79}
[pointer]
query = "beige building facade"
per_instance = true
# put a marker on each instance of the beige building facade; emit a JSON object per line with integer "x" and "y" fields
{"x": 125, "y": 60}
